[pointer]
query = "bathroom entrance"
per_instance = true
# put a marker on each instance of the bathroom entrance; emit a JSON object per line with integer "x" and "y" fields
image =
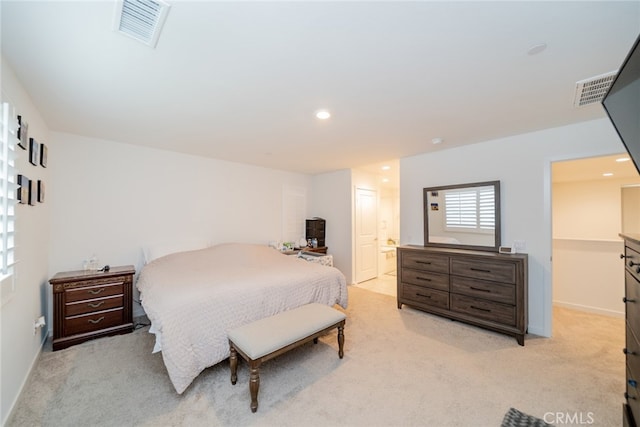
{"x": 385, "y": 179}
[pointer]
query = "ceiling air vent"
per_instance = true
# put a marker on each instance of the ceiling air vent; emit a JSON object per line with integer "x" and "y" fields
{"x": 141, "y": 19}
{"x": 593, "y": 89}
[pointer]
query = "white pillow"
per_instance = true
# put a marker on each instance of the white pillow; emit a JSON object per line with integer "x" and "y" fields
{"x": 158, "y": 250}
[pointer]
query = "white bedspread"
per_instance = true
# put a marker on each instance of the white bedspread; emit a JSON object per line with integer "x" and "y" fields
{"x": 193, "y": 299}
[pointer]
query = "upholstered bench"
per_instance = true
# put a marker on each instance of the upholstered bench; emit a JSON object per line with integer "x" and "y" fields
{"x": 267, "y": 338}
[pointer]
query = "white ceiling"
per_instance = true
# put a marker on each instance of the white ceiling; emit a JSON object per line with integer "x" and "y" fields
{"x": 241, "y": 81}
{"x": 594, "y": 168}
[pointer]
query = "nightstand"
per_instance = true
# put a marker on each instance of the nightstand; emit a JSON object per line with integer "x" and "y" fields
{"x": 320, "y": 250}
{"x": 91, "y": 304}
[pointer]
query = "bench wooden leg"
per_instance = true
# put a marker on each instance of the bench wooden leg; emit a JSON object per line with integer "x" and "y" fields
{"x": 341, "y": 340}
{"x": 233, "y": 362}
{"x": 254, "y": 384}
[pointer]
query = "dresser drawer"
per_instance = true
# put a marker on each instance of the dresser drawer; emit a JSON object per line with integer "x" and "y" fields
{"x": 93, "y": 321}
{"x": 633, "y": 398}
{"x": 426, "y": 296}
{"x": 632, "y": 348}
{"x": 426, "y": 262}
{"x": 632, "y": 257}
{"x": 481, "y": 289}
{"x": 425, "y": 278}
{"x": 92, "y": 305}
{"x": 504, "y": 272}
{"x": 632, "y": 304}
{"x": 91, "y": 292}
{"x": 483, "y": 309}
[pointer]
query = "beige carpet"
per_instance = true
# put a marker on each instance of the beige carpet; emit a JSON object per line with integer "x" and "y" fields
{"x": 401, "y": 368}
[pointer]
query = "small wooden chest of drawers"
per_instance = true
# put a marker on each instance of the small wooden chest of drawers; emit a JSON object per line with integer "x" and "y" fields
{"x": 482, "y": 288}
{"x": 91, "y": 304}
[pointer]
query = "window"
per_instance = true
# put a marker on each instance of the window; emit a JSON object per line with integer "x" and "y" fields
{"x": 8, "y": 139}
{"x": 470, "y": 210}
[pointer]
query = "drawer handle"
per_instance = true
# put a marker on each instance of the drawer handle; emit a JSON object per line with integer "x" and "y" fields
{"x": 95, "y": 322}
{"x": 623, "y": 256}
{"x": 631, "y": 263}
{"x": 424, "y": 296}
{"x": 95, "y": 304}
{"x": 625, "y": 300}
{"x": 96, "y": 291}
{"x": 627, "y": 396}
{"x": 481, "y": 309}
{"x": 481, "y": 290}
{"x": 629, "y": 352}
{"x": 423, "y": 278}
{"x": 480, "y": 270}
{"x": 633, "y": 383}
{"x": 423, "y": 262}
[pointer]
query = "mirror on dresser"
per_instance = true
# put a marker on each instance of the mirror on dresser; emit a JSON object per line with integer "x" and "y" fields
{"x": 463, "y": 216}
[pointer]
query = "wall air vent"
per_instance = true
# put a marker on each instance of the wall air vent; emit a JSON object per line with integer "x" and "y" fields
{"x": 141, "y": 19}
{"x": 593, "y": 89}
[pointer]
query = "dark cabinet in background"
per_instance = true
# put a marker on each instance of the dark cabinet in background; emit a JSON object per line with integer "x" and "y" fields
{"x": 315, "y": 229}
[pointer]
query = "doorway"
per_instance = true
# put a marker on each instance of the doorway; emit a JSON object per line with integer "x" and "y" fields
{"x": 383, "y": 179}
{"x": 586, "y": 215}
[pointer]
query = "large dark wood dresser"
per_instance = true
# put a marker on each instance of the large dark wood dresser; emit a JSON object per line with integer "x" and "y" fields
{"x": 91, "y": 304}
{"x": 631, "y": 409}
{"x": 485, "y": 289}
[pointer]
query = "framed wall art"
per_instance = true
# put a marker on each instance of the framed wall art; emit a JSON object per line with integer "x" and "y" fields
{"x": 33, "y": 152}
{"x": 23, "y": 131}
{"x": 43, "y": 155}
{"x": 23, "y": 189}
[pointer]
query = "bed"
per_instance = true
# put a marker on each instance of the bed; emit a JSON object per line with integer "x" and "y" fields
{"x": 193, "y": 298}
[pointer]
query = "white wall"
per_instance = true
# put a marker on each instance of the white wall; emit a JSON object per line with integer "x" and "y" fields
{"x": 588, "y": 210}
{"x": 588, "y": 275}
{"x": 19, "y": 347}
{"x": 112, "y": 199}
{"x": 586, "y": 219}
{"x": 522, "y": 163}
{"x": 332, "y": 200}
{"x": 631, "y": 209}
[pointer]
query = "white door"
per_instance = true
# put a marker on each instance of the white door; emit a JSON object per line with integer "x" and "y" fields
{"x": 366, "y": 224}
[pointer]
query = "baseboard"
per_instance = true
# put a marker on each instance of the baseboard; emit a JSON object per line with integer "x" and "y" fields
{"x": 589, "y": 309}
{"x": 26, "y": 379}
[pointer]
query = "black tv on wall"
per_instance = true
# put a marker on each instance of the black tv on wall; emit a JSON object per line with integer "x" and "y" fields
{"x": 622, "y": 103}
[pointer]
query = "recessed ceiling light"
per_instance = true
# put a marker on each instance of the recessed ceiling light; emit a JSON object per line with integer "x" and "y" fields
{"x": 536, "y": 49}
{"x": 385, "y": 167}
{"x": 437, "y": 141}
{"x": 385, "y": 179}
{"x": 323, "y": 114}
{"x": 607, "y": 174}
{"x": 623, "y": 159}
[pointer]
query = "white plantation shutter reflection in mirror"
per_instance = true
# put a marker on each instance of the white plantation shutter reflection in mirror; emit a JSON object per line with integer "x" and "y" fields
{"x": 470, "y": 209}
{"x": 8, "y": 141}
{"x": 486, "y": 208}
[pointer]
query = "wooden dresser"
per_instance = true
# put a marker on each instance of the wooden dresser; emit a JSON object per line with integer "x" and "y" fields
{"x": 485, "y": 289}
{"x": 631, "y": 409}
{"x": 91, "y": 304}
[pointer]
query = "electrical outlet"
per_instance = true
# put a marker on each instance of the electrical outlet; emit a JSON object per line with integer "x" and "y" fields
{"x": 520, "y": 245}
{"x": 38, "y": 323}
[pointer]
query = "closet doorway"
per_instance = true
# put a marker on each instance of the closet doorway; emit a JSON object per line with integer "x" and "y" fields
{"x": 586, "y": 214}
